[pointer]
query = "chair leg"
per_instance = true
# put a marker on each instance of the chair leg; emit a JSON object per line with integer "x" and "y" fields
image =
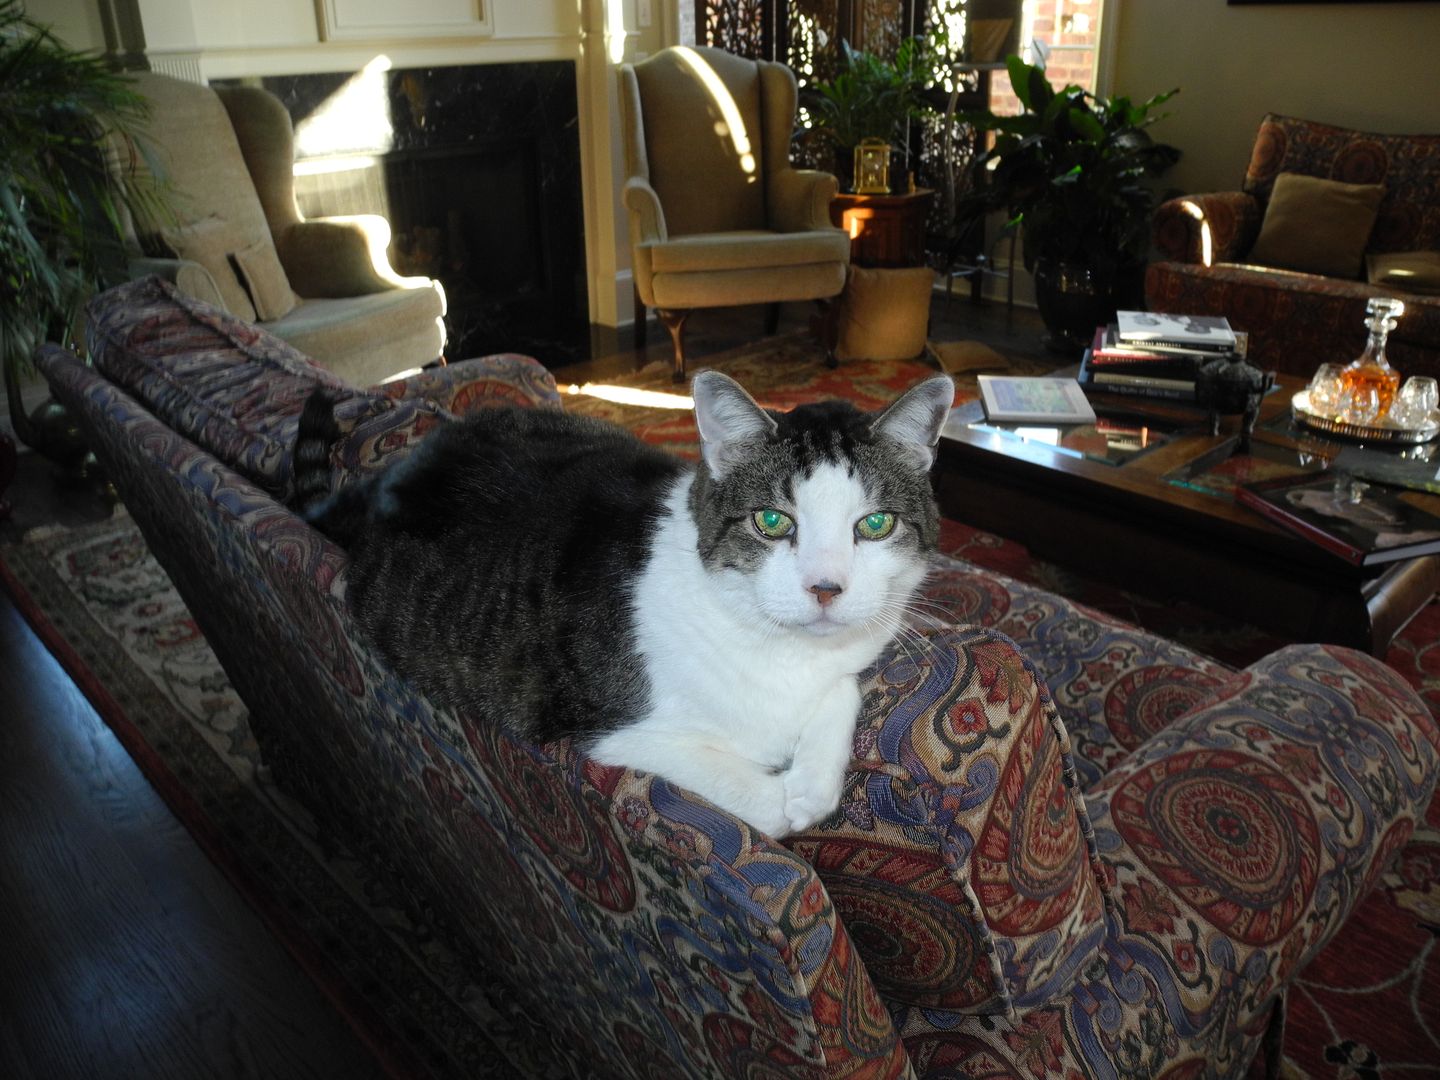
{"x": 772, "y": 319}
{"x": 675, "y": 322}
{"x": 642, "y": 318}
{"x": 825, "y": 325}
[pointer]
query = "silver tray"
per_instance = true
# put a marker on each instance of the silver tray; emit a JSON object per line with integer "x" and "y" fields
{"x": 1385, "y": 431}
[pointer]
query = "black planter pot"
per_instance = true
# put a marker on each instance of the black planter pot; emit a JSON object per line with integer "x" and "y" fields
{"x": 1074, "y": 299}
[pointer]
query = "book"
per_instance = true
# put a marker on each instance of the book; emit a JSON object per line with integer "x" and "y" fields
{"x": 1389, "y": 468}
{"x": 1175, "y": 387}
{"x": 1107, "y": 351}
{"x": 1363, "y": 523}
{"x": 1207, "y": 332}
{"x": 1018, "y": 398}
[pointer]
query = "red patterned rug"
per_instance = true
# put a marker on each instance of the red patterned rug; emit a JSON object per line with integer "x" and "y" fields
{"x": 1368, "y": 1007}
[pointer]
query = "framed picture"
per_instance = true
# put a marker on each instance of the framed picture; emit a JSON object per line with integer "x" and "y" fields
{"x": 352, "y": 20}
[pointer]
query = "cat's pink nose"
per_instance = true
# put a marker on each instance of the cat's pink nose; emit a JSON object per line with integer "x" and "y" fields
{"x": 825, "y": 591}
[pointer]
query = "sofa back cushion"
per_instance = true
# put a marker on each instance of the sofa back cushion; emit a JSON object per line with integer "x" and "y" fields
{"x": 1407, "y": 165}
{"x": 230, "y": 387}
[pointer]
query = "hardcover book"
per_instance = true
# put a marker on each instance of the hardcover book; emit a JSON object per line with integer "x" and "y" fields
{"x": 1020, "y": 398}
{"x": 1145, "y": 382}
{"x": 1363, "y": 523}
{"x": 1207, "y": 332}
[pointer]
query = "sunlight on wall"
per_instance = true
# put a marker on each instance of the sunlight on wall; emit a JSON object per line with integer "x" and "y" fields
{"x": 625, "y": 395}
{"x": 615, "y": 30}
{"x": 731, "y": 123}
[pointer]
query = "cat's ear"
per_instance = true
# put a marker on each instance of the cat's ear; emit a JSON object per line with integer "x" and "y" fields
{"x": 914, "y": 420}
{"x": 729, "y": 420}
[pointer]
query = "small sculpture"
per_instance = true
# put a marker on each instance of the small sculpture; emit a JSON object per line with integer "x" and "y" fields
{"x": 1229, "y": 384}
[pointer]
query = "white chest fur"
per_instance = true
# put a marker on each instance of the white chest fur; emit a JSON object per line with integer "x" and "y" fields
{"x": 753, "y": 712}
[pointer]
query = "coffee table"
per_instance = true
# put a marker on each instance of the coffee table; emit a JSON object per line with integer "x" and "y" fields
{"x": 1141, "y": 499}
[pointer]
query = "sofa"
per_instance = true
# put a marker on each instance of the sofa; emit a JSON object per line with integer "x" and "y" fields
{"x": 1297, "y": 321}
{"x": 1065, "y": 848}
{"x": 235, "y": 238}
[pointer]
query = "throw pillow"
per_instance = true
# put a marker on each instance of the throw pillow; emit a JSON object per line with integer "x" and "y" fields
{"x": 1317, "y": 226}
{"x": 210, "y": 242}
{"x": 264, "y": 279}
{"x": 884, "y": 314}
{"x": 1413, "y": 271}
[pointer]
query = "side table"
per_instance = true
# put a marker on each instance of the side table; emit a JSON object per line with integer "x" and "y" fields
{"x": 885, "y": 230}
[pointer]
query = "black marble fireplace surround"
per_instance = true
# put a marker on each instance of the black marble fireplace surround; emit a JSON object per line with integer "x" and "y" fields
{"x": 483, "y": 191}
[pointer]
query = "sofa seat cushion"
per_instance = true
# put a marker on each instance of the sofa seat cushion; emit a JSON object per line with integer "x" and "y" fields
{"x": 1409, "y": 271}
{"x": 359, "y": 335}
{"x": 1295, "y": 321}
{"x": 750, "y": 249}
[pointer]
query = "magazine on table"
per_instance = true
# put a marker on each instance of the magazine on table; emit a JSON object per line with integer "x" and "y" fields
{"x": 1363, "y": 523}
{"x": 1016, "y": 399}
{"x": 1207, "y": 332}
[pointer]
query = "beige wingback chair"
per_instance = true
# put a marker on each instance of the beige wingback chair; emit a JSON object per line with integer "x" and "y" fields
{"x": 237, "y": 239}
{"x": 717, "y": 215}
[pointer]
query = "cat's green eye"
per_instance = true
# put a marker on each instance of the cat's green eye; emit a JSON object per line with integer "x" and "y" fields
{"x": 875, "y": 526}
{"x": 773, "y": 523}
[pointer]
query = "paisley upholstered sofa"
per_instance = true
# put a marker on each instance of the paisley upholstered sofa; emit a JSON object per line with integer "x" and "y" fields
{"x": 1209, "y": 262}
{"x": 1066, "y": 847}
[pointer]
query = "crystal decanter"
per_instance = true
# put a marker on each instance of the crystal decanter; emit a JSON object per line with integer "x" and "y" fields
{"x": 1370, "y": 370}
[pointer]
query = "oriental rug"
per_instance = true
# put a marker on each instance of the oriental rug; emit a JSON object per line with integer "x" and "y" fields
{"x": 1368, "y": 1007}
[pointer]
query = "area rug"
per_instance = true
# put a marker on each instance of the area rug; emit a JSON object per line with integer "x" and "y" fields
{"x": 1368, "y": 1007}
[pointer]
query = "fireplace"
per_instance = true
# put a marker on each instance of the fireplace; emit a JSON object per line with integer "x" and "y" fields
{"x": 477, "y": 169}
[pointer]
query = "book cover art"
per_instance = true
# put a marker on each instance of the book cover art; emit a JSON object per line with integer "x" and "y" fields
{"x": 1357, "y": 520}
{"x": 1034, "y": 398}
{"x": 1195, "y": 331}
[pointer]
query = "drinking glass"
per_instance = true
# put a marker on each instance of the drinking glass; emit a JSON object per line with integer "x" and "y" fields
{"x": 1325, "y": 389}
{"x": 1360, "y": 405}
{"x": 1415, "y": 401}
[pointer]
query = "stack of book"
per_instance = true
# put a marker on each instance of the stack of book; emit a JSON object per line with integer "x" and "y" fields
{"x": 1156, "y": 355}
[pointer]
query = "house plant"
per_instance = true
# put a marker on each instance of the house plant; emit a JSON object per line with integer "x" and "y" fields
{"x": 870, "y": 97}
{"x": 62, "y": 207}
{"x": 1073, "y": 170}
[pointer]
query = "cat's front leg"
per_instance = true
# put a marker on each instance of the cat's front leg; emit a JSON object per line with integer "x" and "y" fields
{"x": 816, "y": 776}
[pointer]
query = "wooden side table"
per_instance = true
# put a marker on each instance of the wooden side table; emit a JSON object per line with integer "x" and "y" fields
{"x": 885, "y": 230}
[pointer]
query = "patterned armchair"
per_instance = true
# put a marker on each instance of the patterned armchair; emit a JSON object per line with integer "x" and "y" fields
{"x": 1298, "y": 321}
{"x": 1066, "y": 848}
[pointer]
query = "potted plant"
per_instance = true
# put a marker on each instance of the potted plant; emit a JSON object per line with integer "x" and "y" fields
{"x": 1073, "y": 171}
{"x": 62, "y": 206}
{"x": 870, "y": 97}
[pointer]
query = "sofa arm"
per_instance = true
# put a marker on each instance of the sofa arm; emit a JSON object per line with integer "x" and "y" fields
{"x": 800, "y": 199}
{"x": 340, "y": 257}
{"x": 962, "y": 860}
{"x": 1207, "y": 229}
{"x": 1242, "y": 836}
{"x": 467, "y": 385}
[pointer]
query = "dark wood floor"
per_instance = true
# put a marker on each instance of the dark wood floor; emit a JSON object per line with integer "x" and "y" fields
{"x": 123, "y": 951}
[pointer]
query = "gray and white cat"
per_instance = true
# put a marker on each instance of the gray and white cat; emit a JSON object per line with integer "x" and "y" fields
{"x": 705, "y": 623}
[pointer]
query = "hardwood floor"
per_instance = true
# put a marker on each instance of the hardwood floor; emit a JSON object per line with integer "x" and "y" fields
{"x": 125, "y": 952}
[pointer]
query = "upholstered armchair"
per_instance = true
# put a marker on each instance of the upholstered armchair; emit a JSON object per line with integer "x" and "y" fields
{"x": 237, "y": 240}
{"x": 1210, "y": 263}
{"x": 717, "y": 215}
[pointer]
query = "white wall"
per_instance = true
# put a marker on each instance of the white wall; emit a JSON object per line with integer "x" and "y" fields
{"x": 1368, "y": 66}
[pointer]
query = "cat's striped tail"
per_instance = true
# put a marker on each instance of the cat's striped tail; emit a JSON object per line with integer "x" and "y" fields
{"x": 338, "y": 514}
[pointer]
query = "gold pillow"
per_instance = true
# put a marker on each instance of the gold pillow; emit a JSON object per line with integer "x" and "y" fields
{"x": 210, "y": 242}
{"x": 1412, "y": 271}
{"x": 884, "y": 314}
{"x": 1317, "y": 226}
{"x": 264, "y": 279}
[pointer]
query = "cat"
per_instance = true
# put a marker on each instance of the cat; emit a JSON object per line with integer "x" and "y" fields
{"x": 703, "y": 622}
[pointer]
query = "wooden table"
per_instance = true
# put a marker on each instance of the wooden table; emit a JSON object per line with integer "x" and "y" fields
{"x": 1127, "y": 523}
{"x": 885, "y": 230}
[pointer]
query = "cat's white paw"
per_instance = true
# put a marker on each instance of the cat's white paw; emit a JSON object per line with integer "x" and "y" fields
{"x": 810, "y": 797}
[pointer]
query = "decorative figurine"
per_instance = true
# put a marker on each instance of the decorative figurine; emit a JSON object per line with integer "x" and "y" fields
{"x": 1230, "y": 384}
